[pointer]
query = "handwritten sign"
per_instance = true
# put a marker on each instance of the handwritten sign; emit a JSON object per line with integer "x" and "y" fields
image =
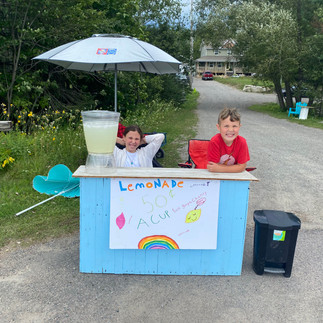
{"x": 163, "y": 213}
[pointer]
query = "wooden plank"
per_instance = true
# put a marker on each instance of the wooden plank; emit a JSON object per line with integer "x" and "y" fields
{"x": 97, "y": 257}
{"x": 94, "y": 225}
{"x": 233, "y": 209}
{"x": 141, "y": 172}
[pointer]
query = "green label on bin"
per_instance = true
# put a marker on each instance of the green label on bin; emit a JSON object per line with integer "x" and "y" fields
{"x": 279, "y": 235}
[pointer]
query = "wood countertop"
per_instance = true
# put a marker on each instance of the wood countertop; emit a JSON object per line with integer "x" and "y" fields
{"x": 152, "y": 172}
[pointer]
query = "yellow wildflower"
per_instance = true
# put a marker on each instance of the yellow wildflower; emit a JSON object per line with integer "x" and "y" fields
{"x": 11, "y": 159}
{"x": 54, "y": 138}
{"x": 30, "y": 114}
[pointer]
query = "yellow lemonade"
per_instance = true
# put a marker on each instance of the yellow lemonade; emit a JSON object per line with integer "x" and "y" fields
{"x": 100, "y": 137}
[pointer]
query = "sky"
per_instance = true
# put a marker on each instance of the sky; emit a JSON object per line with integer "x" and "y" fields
{"x": 186, "y": 6}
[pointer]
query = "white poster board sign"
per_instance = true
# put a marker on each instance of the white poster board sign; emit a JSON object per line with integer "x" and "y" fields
{"x": 163, "y": 213}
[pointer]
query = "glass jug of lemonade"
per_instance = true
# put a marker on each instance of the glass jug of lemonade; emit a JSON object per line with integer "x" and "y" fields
{"x": 100, "y": 130}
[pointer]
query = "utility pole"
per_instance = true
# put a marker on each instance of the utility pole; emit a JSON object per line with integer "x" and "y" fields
{"x": 191, "y": 44}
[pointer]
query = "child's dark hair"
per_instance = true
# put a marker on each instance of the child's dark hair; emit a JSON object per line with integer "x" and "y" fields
{"x": 229, "y": 112}
{"x": 133, "y": 128}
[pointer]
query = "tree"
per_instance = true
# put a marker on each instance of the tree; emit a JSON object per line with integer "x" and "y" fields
{"x": 266, "y": 42}
{"x": 278, "y": 39}
{"x": 309, "y": 47}
{"x": 26, "y": 27}
{"x": 264, "y": 38}
{"x": 313, "y": 63}
{"x": 157, "y": 12}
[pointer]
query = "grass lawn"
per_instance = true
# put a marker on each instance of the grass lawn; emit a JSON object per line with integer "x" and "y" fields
{"x": 35, "y": 154}
{"x": 31, "y": 155}
{"x": 240, "y": 82}
{"x": 273, "y": 110}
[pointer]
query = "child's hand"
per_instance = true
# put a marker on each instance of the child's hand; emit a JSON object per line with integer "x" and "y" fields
{"x": 120, "y": 141}
{"x": 211, "y": 166}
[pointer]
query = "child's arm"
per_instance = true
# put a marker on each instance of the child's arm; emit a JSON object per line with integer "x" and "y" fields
{"x": 221, "y": 168}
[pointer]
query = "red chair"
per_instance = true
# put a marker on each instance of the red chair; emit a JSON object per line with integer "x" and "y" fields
{"x": 197, "y": 155}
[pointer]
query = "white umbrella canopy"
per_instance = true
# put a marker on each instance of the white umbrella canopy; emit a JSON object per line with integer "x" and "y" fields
{"x": 112, "y": 52}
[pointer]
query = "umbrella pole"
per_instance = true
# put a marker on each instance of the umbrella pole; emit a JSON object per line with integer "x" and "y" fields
{"x": 115, "y": 87}
{"x": 42, "y": 202}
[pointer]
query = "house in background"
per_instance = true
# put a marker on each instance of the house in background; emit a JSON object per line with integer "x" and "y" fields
{"x": 218, "y": 61}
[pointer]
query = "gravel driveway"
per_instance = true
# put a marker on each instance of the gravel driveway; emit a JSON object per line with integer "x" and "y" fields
{"x": 288, "y": 156}
{"x": 42, "y": 283}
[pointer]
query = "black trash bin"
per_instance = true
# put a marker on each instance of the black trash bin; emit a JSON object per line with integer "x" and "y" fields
{"x": 274, "y": 241}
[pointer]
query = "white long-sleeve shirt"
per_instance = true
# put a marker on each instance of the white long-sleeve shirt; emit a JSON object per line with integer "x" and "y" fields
{"x": 145, "y": 154}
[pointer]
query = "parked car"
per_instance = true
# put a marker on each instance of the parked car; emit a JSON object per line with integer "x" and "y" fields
{"x": 294, "y": 91}
{"x": 182, "y": 78}
{"x": 207, "y": 76}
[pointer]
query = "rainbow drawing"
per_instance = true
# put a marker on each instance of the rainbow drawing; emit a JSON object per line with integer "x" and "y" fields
{"x": 157, "y": 242}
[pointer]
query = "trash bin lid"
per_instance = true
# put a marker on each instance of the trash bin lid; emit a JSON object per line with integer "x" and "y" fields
{"x": 277, "y": 219}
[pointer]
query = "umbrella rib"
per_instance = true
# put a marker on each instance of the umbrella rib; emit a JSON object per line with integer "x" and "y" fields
{"x": 153, "y": 63}
{"x": 72, "y": 43}
{"x": 135, "y": 40}
{"x": 143, "y": 66}
{"x": 153, "y": 60}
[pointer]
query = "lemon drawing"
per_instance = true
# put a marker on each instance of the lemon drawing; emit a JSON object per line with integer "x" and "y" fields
{"x": 193, "y": 216}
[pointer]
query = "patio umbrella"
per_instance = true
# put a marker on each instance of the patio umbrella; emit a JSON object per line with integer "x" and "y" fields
{"x": 58, "y": 182}
{"x": 112, "y": 52}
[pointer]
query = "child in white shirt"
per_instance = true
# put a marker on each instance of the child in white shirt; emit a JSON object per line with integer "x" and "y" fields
{"x": 132, "y": 156}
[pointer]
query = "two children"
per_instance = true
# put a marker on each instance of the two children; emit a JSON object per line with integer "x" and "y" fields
{"x": 228, "y": 152}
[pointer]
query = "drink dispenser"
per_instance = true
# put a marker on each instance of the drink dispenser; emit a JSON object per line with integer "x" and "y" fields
{"x": 100, "y": 130}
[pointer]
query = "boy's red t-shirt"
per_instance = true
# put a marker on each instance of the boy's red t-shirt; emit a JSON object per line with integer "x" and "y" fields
{"x": 220, "y": 153}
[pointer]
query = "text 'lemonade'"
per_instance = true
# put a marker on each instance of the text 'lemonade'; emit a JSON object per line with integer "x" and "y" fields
{"x": 100, "y": 137}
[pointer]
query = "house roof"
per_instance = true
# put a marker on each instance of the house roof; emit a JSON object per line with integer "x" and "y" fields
{"x": 227, "y": 44}
{"x": 216, "y": 59}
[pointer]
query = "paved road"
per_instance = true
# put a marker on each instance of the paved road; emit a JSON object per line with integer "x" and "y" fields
{"x": 42, "y": 283}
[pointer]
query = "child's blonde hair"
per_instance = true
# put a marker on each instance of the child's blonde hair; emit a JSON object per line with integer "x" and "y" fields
{"x": 229, "y": 112}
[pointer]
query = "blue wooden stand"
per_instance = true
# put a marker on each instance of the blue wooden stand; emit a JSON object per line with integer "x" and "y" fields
{"x": 96, "y": 257}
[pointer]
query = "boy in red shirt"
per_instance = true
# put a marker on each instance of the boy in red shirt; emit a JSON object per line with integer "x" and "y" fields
{"x": 228, "y": 152}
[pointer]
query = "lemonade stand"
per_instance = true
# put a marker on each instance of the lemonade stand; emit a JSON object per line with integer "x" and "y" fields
{"x": 166, "y": 221}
